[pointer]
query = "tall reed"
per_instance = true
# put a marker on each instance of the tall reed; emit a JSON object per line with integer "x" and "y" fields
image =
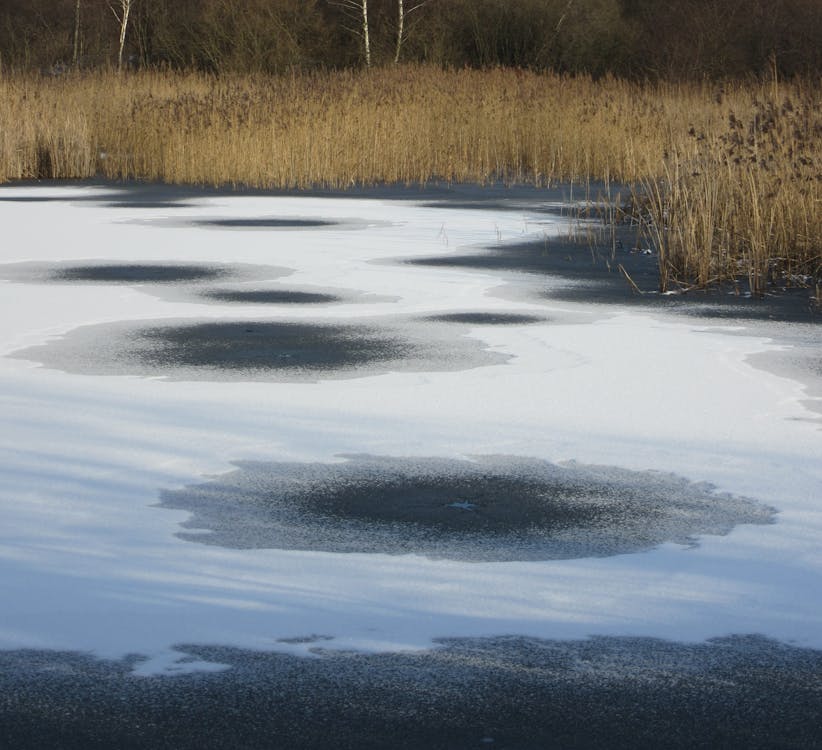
{"x": 745, "y": 198}
{"x": 728, "y": 177}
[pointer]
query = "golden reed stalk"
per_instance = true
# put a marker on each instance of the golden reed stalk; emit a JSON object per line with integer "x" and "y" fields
{"x": 730, "y": 175}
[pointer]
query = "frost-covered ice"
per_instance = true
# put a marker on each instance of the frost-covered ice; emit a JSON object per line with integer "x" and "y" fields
{"x": 91, "y": 561}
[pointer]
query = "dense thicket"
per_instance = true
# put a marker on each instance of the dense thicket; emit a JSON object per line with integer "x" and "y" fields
{"x": 641, "y": 38}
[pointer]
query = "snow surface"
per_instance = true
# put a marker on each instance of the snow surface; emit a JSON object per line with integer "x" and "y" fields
{"x": 89, "y": 563}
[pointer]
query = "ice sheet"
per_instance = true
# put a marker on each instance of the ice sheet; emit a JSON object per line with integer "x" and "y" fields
{"x": 89, "y": 562}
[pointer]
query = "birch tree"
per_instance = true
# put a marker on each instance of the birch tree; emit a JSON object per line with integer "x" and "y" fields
{"x": 403, "y": 11}
{"x": 357, "y": 10}
{"x": 122, "y": 18}
{"x": 75, "y": 57}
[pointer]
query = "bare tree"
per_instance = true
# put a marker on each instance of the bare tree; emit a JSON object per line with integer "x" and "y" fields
{"x": 403, "y": 11}
{"x": 358, "y": 11}
{"x": 122, "y": 18}
{"x": 76, "y": 52}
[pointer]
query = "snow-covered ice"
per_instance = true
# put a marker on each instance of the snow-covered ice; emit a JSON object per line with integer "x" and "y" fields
{"x": 90, "y": 561}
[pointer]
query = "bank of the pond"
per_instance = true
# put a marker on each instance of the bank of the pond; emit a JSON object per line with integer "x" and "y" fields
{"x": 727, "y": 175}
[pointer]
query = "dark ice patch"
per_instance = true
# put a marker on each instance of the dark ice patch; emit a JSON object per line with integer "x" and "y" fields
{"x": 268, "y": 296}
{"x": 241, "y": 345}
{"x": 264, "y": 223}
{"x": 124, "y": 194}
{"x": 557, "y": 256}
{"x": 531, "y": 206}
{"x": 41, "y": 198}
{"x": 493, "y": 509}
{"x": 136, "y": 273}
{"x": 147, "y": 204}
{"x": 139, "y": 273}
{"x": 97, "y": 199}
{"x": 485, "y": 318}
{"x": 585, "y": 273}
{"x": 249, "y": 350}
{"x": 619, "y": 693}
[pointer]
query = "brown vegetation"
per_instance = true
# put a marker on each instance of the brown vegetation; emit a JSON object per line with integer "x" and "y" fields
{"x": 727, "y": 178}
{"x": 744, "y": 199}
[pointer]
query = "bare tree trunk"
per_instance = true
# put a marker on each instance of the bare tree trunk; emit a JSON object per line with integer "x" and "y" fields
{"x": 402, "y": 12}
{"x": 365, "y": 38}
{"x": 400, "y": 29}
{"x": 122, "y": 19}
{"x": 357, "y": 10}
{"x": 76, "y": 54}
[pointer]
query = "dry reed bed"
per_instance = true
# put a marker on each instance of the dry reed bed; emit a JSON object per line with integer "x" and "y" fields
{"x": 728, "y": 180}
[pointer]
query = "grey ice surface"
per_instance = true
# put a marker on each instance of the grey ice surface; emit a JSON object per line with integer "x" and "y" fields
{"x": 743, "y": 691}
{"x": 798, "y": 357}
{"x": 222, "y": 283}
{"x": 508, "y": 692}
{"x": 497, "y": 508}
{"x": 260, "y": 350}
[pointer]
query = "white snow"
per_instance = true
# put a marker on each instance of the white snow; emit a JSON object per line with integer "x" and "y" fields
{"x": 87, "y": 563}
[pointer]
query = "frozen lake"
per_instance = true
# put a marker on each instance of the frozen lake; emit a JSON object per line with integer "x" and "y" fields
{"x": 319, "y": 429}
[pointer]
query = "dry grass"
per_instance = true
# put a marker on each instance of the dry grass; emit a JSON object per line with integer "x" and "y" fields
{"x": 745, "y": 199}
{"x": 728, "y": 182}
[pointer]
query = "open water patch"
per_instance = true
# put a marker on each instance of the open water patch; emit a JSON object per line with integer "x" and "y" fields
{"x": 495, "y": 508}
{"x": 259, "y": 350}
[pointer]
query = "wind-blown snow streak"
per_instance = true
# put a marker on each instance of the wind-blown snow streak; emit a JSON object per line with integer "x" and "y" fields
{"x": 89, "y": 561}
